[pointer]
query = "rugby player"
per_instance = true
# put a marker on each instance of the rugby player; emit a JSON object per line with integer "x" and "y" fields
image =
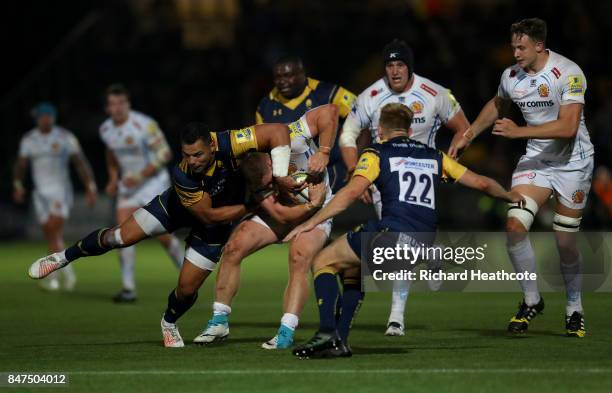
{"x": 207, "y": 196}
{"x": 272, "y": 222}
{"x": 49, "y": 148}
{"x": 432, "y": 104}
{"x": 136, "y": 158}
{"x": 394, "y": 167}
{"x": 293, "y": 95}
{"x": 549, "y": 90}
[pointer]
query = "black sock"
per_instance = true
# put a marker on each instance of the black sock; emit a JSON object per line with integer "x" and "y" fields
{"x": 90, "y": 245}
{"x": 351, "y": 302}
{"x": 177, "y": 307}
{"x": 326, "y": 290}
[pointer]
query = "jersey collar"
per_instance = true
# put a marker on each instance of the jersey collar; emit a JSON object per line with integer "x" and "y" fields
{"x": 293, "y": 103}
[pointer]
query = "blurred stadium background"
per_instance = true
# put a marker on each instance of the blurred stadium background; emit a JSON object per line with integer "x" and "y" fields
{"x": 211, "y": 60}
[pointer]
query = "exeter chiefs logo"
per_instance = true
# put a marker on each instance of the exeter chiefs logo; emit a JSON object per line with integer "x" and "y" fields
{"x": 578, "y": 196}
{"x": 416, "y": 107}
{"x": 543, "y": 90}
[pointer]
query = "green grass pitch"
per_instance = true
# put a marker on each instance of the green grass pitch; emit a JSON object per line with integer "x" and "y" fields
{"x": 455, "y": 342}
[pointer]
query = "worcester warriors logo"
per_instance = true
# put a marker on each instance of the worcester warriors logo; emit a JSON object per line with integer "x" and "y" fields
{"x": 578, "y": 196}
{"x": 416, "y": 107}
{"x": 543, "y": 90}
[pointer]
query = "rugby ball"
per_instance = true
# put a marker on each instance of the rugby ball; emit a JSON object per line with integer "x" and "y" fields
{"x": 300, "y": 177}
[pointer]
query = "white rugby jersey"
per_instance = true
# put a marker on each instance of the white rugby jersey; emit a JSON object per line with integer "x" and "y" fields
{"x": 131, "y": 144}
{"x": 431, "y": 104}
{"x": 49, "y": 154}
{"x": 540, "y": 96}
{"x": 302, "y": 148}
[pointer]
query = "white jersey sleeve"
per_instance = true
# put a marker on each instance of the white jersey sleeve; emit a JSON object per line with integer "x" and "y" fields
{"x": 446, "y": 105}
{"x": 25, "y": 147}
{"x": 154, "y": 136}
{"x": 572, "y": 88}
{"x": 502, "y": 90}
{"x": 72, "y": 144}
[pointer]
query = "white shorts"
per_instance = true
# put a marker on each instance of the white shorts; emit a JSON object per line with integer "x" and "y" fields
{"x": 51, "y": 205}
{"x": 571, "y": 181}
{"x": 145, "y": 192}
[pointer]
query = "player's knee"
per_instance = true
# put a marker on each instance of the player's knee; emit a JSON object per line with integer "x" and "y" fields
{"x": 113, "y": 238}
{"x": 521, "y": 215}
{"x": 566, "y": 224}
{"x": 186, "y": 289}
{"x": 299, "y": 261}
{"x": 233, "y": 252}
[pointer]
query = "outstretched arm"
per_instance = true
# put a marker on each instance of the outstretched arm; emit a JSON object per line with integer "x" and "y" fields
{"x": 343, "y": 199}
{"x": 488, "y": 186}
{"x": 486, "y": 117}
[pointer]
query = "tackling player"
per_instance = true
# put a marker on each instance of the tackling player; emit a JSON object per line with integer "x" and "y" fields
{"x": 293, "y": 95}
{"x": 433, "y": 105}
{"x": 393, "y": 166}
{"x": 49, "y": 148}
{"x": 207, "y": 197}
{"x": 272, "y": 222}
{"x": 136, "y": 158}
{"x": 549, "y": 90}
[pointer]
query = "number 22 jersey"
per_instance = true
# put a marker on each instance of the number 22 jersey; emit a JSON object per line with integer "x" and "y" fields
{"x": 407, "y": 173}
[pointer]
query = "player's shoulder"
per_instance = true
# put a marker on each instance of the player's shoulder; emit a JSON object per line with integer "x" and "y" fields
{"x": 511, "y": 72}
{"x": 64, "y": 133}
{"x": 141, "y": 121}
{"x": 105, "y": 127}
{"x": 428, "y": 86}
{"x": 560, "y": 65}
{"x": 323, "y": 88}
{"x": 30, "y": 135}
{"x": 181, "y": 176}
{"x": 374, "y": 92}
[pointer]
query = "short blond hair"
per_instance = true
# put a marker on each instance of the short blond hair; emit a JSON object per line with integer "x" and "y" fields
{"x": 395, "y": 116}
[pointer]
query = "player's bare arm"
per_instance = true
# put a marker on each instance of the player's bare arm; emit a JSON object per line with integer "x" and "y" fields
{"x": 343, "y": 199}
{"x": 112, "y": 169}
{"x": 204, "y": 211}
{"x": 488, "y": 186}
{"x": 83, "y": 168}
{"x": 566, "y": 126}
{"x": 161, "y": 156}
{"x": 486, "y": 118}
{"x": 322, "y": 121}
{"x": 19, "y": 170}
{"x": 274, "y": 137}
{"x": 288, "y": 214}
{"x": 458, "y": 124}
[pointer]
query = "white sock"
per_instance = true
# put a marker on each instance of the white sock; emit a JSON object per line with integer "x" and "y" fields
{"x": 221, "y": 309}
{"x": 523, "y": 259}
{"x": 571, "y": 268}
{"x": 176, "y": 251}
{"x": 399, "y": 298}
{"x": 290, "y": 320}
{"x": 127, "y": 261}
{"x": 62, "y": 254}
